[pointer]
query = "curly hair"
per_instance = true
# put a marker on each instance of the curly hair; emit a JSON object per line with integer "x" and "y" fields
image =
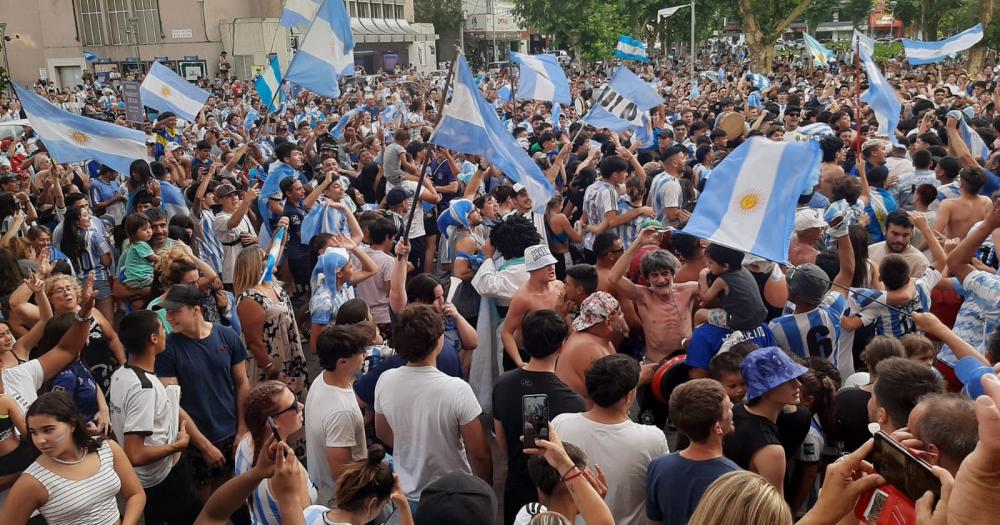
{"x": 513, "y": 235}
{"x": 173, "y": 265}
{"x": 261, "y": 403}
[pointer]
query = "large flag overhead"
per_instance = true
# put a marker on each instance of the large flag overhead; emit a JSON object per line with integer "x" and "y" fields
{"x": 749, "y": 201}
{"x": 268, "y": 85}
{"x": 919, "y": 53}
{"x": 882, "y": 98}
{"x": 630, "y": 48}
{"x": 164, "y": 90}
{"x": 470, "y": 125}
{"x": 540, "y": 77}
{"x": 626, "y": 97}
{"x": 326, "y": 52}
{"x": 72, "y": 138}
{"x": 821, "y": 55}
{"x": 298, "y": 13}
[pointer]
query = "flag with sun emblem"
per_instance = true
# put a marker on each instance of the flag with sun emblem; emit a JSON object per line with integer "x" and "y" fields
{"x": 72, "y": 138}
{"x": 164, "y": 90}
{"x": 749, "y": 202}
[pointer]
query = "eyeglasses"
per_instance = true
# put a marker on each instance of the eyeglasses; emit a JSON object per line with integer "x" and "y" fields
{"x": 296, "y": 406}
{"x": 68, "y": 290}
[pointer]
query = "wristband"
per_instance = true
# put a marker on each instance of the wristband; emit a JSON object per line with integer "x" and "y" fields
{"x": 573, "y": 476}
{"x": 564, "y": 474}
{"x": 79, "y": 319}
{"x": 268, "y": 366}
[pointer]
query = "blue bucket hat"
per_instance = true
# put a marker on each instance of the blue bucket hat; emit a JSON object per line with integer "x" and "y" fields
{"x": 457, "y": 216}
{"x": 328, "y": 264}
{"x": 768, "y": 368}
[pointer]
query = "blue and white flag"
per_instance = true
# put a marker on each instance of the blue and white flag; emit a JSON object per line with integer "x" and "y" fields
{"x": 88, "y": 56}
{"x": 644, "y": 133}
{"x": 298, "y": 13}
{"x": 338, "y": 130}
{"x": 601, "y": 118}
{"x": 919, "y": 53}
{"x": 556, "y": 113}
{"x": 977, "y": 146}
{"x": 882, "y": 98}
{"x": 326, "y": 52}
{"x": 172, "y": 200}
{"x": 469, "y": 125}
{"x": 721, "y": 75}
{"x": 821, "y": 55}
{"x": 249, "y": 120}
{"x": 164, "y": 90}
{"x": 323, "y": 218}
{"x": 268, "y": 85}
{"x": 391, "y": 113}
{"x": 72, "y": 138}
{"x": 759, "y": 81}
{"x": 630, "y": 48}
{"x": 754, "y": 100}
{"x": 862, "y": 41}
{"x": 816, "y": 129}
{"x": 626, "y": 97}
{"x": 749, "y": 202}
{"x": 540, "y": 77}
{"x": 504, "y": 94}
{"x": 695, "y": 90}
{"x": 272, "y": 256}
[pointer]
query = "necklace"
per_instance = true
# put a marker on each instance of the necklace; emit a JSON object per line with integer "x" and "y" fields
{"x": 77, "y": 462}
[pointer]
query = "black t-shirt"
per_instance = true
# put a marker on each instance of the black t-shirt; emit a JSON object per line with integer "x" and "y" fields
{"x": 365, "y": 183}
{"x": 793, "y": 427}
{"x": 852, "y": 418}
{"x": 507, "y": 394}
{"x": 752, "y": 433}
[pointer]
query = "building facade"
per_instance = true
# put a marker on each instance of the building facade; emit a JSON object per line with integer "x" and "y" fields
{"x": 48, "y": 39}
{"x": 490, "y": 30}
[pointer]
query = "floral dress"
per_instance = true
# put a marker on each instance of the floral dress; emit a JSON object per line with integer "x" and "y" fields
{"x": 284, "y": 347}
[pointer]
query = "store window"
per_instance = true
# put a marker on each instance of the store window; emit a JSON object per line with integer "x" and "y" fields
{"x": 117, "y": 22}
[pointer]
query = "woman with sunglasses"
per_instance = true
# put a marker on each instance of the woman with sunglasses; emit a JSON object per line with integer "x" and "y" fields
{"x": 271, "y": 409}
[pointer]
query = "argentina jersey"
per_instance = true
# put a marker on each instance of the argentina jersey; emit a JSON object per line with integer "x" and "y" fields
{"x": 896, "y": 321}
{"x": 263, "y": 506}
{"x": 813, "y": 333}
{"x": 657, "y": 198}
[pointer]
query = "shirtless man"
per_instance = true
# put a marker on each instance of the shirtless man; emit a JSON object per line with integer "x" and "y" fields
{"x": 608, "y": 248}
{"x": 956, "y": 216}
{"x": 830, "y": 169}
{"x": 600, "y": 318}
{"x": 541, "y": 292}
{"x": 664, "y": 307}
{"x": 809, "y": 227}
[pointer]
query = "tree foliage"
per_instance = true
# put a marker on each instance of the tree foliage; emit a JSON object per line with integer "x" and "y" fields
{"x": 446, "y": 15}
{"x": 763, "y": 23}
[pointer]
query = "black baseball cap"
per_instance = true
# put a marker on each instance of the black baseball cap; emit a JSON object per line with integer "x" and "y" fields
{"x": 182, "y": 295}
{"x": 456, "y": 499}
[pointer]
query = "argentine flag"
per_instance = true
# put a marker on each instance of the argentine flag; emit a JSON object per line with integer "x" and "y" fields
{"x": 298, "y": 13}
{"x": 630, "y": 48}
{"x": 541, "y": 78}
{"x": 977, "y": 146}
{"x": 860, "y": 40}
{"x": 919, "y": 53}
{"x": 627, "y": 97}
{"x": 821, "y": 55}
{"x": 326, "y": 52}
{"x": 882, "y": 99}
{"x": 164, "y": 90}
{"x": 268, "y": 85}
{"x": 749, "y": 202}
{"x": 272, "y": 256}
{"x": 816, "y": 129}
{"x": 469, "y": 125}
{"x": 88, "y": 56}
{"x": 759, "y": 81}
{"x": 72, "y": 138}
{"x": 172, "y": 200}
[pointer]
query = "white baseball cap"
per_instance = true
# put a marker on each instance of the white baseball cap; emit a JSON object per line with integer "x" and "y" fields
{"x": 537, "y": 257}
{"x": 806, "y": 218}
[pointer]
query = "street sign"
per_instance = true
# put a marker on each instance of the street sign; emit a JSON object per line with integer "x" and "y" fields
{"x": 133, "y": 105}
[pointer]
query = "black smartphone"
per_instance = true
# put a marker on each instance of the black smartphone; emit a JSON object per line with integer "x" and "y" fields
{"x": 274, "y": 429}
{"x": 908, "y": 473}
{"x": 535, "y": 414}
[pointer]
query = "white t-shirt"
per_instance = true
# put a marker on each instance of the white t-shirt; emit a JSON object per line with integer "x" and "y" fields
{"x": 333, "y": 419}
{"x": 140, "y": 404}
{"x": 230, "y": 240}
{"x": 417, "y": 228}
{"x": 426, "y": 408}
{"x": 623, "y": 451}
{"x": 23, "y": 381}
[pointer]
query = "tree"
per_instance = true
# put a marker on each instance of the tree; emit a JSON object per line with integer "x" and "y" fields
{"x": 446, "y": 15}
{"x": 763, "y": 23}
{"x": 978, "y": 53}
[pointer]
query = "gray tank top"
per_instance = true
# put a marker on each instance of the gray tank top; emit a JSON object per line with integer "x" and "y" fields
{"x": 742, "y": 304}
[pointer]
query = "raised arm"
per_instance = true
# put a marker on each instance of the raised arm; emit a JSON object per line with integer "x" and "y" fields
{"x": 625, "y": 287}
{"x": 397, "y": 281}
{"x": 244, "y": 207}
{"x": 957, "y": 145}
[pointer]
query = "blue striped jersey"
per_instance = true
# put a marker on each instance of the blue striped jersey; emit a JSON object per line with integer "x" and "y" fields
{"x": 629, "y": 231}
{"x": 813, "y": 333}
{"x": 316, "y": 515}
{"x": 896, "y": 321}
{"x": 664, "y": 192}
{"x": 263, "y": 506}
{"x": 980, "y": 312}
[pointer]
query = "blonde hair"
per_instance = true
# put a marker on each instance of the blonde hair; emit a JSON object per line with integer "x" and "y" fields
{"x": 741, "y": 498}
{"x": 172, "y": 265}
{"x": 249, "y": 269}
{"x": 51, "y": 283}
{"x": 549, "y": 518}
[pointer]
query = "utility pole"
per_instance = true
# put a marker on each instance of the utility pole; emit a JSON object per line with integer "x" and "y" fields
{"x": 6, "y": 66}
{"x": 133, "y": 29}
{"x": 493, "y": 16}
{"x": 692, "y": 37}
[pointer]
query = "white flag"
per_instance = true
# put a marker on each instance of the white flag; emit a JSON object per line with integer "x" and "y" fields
{"x": 667, "y": 12}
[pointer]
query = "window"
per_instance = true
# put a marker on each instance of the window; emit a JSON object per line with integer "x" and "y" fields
{"x": 91, "y": 27}
{"x": 399, "y": 12}
{"x": 354, "y": 9}
{"x": 376, "y": 9}
{"x": 363, "y": 10}
{"x": 118, "y": 22}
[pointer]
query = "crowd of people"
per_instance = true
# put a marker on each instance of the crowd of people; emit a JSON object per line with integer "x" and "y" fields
{"x": 159, "y": 364}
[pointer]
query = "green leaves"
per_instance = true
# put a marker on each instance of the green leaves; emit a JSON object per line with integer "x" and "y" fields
{"x": 446, "y": 15}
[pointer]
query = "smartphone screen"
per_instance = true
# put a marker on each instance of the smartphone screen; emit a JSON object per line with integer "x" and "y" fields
{"x": 902, "y": 469}
{"x": 535, "y": 414}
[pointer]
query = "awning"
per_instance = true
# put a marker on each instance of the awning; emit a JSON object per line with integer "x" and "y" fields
{"x": 363, "y": 33}
{"x": 405, "y": 28}
{"x": 376, "y": 30}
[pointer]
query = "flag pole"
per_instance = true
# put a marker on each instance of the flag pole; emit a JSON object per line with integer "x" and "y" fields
{"x": 857, "y": 101}
{"x": 423, "y": 168}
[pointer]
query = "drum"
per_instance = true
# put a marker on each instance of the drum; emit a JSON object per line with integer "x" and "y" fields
{"x": 733, "y": 123}
{"x": 654, "y": 405}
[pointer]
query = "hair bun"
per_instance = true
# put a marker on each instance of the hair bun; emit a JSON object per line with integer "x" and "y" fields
{"x": 376, "y": 453}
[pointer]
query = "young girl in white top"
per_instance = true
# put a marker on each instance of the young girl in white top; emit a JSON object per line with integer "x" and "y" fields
{"x": 76, "y": 478}
{"x": 363, "y": 491}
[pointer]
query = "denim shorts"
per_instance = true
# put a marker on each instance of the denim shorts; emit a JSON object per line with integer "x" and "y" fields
{"x": 102, "y": 287}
